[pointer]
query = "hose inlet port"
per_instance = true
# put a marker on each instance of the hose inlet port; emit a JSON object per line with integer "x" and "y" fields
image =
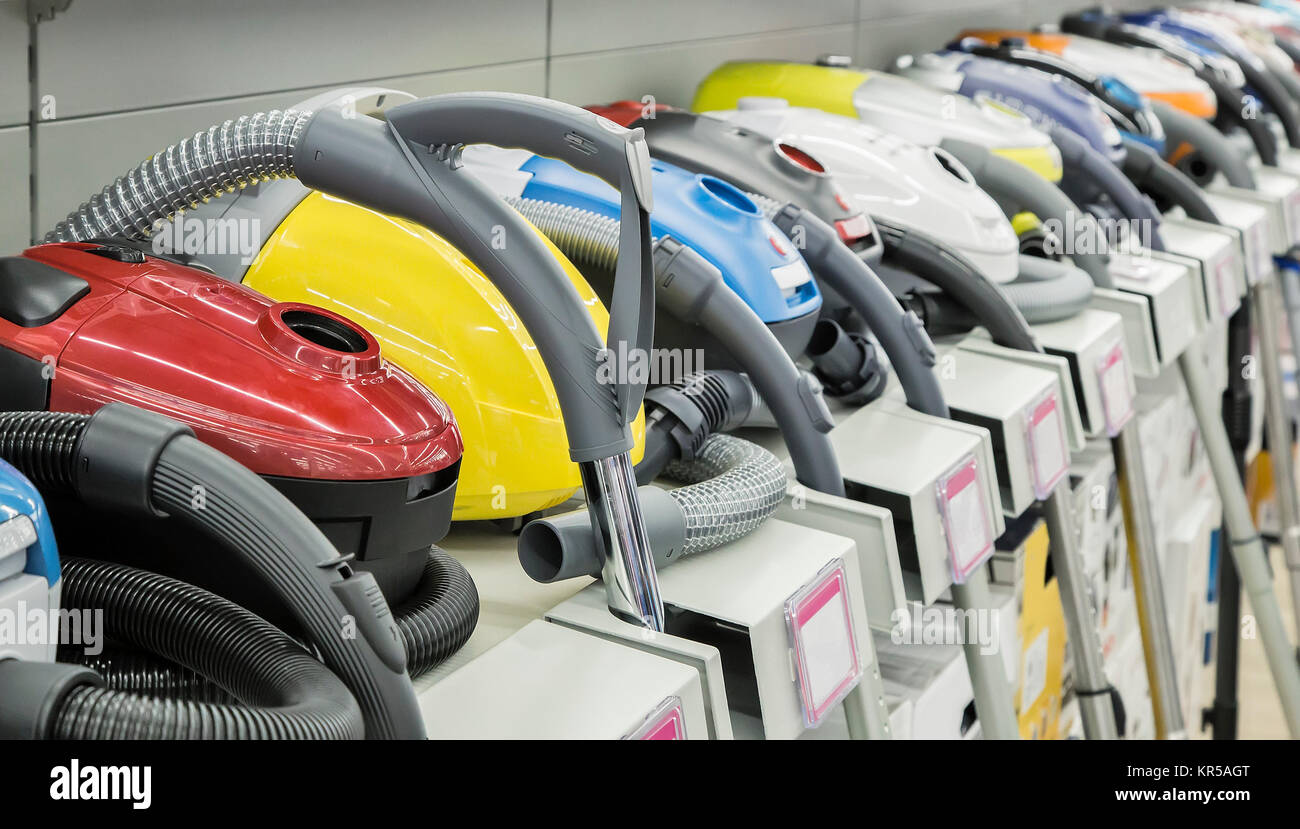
{"x": 320, "y": 339}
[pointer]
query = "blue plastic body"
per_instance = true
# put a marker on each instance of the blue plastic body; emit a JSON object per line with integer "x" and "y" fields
{"x": 19, "y": 497}
{"x": 1203, "y": 38}
{"x": 1045, "y": 99}
{"x": 704, "y": 213}
{"x": 1130, "y": 97}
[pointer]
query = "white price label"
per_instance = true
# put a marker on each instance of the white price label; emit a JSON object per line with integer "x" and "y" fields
{"x": 1049, "y": 457}
{"x": 965, "y": 519}
{"x": 1033, "y": 671}
{"x": 823, "y": 641}
{"x": 1116, "y": 389}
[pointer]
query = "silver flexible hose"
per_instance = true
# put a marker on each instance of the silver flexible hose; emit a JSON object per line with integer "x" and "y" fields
{"x": 209, "y": 164}
{"x": 586, "y": 237}
{"x": 731, "y": 487}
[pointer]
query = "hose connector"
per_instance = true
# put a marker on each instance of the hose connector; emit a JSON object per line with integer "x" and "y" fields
{"x": 847, "y": 363}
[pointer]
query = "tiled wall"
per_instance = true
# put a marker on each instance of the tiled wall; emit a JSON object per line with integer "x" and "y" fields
{"x": 126, "y": 77}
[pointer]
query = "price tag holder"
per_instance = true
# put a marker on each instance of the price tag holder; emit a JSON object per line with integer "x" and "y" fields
{"x": 1116, "y": 389}
{"x": 1045, "y": 434}
{"x": 1263, "y": 257}
{"x": 1227, "y": 286}
{"x": 666, "y": 722}
{"x": 823, "y": 645}
{"x": 965, "y": 519}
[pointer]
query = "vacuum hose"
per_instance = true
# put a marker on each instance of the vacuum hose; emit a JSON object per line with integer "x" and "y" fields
{"x": 1017, "y": 188}
{"x": 284, "y": 691}
{"x": 1090, "y": 169}
{"x": 436, "y": 621}
{"x": 681, "y": 416}
{"x": 1209, "y": 143}
{"x": 1149, "y": 172}
{"x": 900, "y": 332}
{"x": 213, "y": 162}
{"x": 692, "y": 289}
{"x": 130, "y": 460}
{"x": 731, "y": 487}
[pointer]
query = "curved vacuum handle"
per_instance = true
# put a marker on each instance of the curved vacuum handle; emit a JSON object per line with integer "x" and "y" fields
{"x": 585, "y": 141}
{"x": 397, "y": 167}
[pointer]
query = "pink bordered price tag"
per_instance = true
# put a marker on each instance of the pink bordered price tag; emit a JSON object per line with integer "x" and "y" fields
{"x": 1116, "y": 389}
{"x": 666, "y": 722}
{"x": 1045, "y": 431}
{"x": 1263, "y": 256}
{"x": 823, "y": 643}
{"x": 1227, "y": 286}
{"x": 965, "y": 518}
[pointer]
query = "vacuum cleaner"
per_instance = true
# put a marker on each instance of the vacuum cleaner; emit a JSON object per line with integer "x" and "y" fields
{"x": 1155, "y": 74}
{"x": 741, "y": 241}
{"x": 408, "y": 166}
{"x": 130, "y": 460}
{"x": 757, "y": 115}
{"x": 909, "y": 109}
{"x": 1235, "y": 104}
{"x": 429, "y": 306}
{"x": 1262, "y": 83}
{"x": 298, "y": 394}
{"x": 1044, "y": 201}
{"x": 29, "y": 569}
{"x": 869, "y": 167}
{"x": 1221, "y": 161}
{"x": 1080, "y": 124}
{"x": 1185, "y": 196}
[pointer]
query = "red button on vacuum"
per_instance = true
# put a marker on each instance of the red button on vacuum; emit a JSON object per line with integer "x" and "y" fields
{"x": 853, "y": 228}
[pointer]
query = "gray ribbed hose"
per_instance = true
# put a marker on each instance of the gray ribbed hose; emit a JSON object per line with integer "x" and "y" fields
{"x": 209, "y": 164}
{"x": 731, "y": 487}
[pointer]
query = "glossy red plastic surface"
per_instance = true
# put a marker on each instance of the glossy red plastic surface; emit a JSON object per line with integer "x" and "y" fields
{"x": 220, "y": 358}
{"x": 625, "y": 113}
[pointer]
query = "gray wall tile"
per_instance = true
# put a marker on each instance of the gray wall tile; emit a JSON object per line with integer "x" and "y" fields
{"x": 15, "y": 215}
{"x": 13, "y": 63}
{"x": 671, "y": 73}
{"x": 67, "y": 174}
{"x": 114, "y": 55}
{"x": 130, "y": 76}
{"x": 578, "y": 27}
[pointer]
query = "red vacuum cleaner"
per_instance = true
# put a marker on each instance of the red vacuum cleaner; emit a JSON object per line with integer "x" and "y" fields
{"x": 298, "y": 394}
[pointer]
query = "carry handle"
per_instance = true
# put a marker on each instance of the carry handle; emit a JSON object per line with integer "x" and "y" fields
{"x": 586, "y": 141}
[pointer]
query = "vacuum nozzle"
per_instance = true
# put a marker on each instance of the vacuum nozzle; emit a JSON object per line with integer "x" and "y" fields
{"x": 564, "y": 547}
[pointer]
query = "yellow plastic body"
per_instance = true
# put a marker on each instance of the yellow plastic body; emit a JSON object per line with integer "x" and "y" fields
{"x": 1042, "y": 643}
{"x": 828, "y": 88}
{"x": 437, "y": 316}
